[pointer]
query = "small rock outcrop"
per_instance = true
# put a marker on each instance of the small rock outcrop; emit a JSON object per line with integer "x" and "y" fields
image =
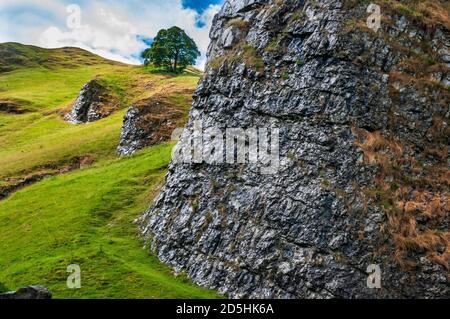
{"x": 363, "y": 122}
{"x": 148, "y": 122}
{"x": 92, "y": 104}
{"x": 30, "y": 292}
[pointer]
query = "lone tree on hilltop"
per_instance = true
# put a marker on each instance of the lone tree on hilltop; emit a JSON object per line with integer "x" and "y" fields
{"x": 172, "y": 48}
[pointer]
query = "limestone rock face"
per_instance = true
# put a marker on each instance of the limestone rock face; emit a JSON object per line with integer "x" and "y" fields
{"x": 363, "y": 150}
{"x": 132, "y": 135}
{"x": 92, "y": 104}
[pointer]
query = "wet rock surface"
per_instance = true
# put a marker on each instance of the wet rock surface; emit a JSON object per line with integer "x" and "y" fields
{"x": 92, "y": 104}
{"x": 310, "y": 230}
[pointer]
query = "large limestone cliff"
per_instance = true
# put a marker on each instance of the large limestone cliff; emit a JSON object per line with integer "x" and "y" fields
{"x": 363, "y": 142}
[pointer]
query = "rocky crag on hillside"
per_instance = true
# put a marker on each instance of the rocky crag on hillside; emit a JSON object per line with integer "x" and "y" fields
{"x": 93, "y": 103}
{"x": 364, "y": 172}
{"x": 146, "y": 123}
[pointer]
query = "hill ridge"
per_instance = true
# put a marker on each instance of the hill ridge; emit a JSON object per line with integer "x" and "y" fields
{"x": 14, "y": 55}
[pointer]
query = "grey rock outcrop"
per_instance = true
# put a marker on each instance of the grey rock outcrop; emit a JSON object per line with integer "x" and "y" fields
{"x": 92, "y": 104}
{"x": 30, "y": 292}
{"x": 132, "y": 135}
{"x": 148, "y": 122}
{"x": 357, "y": 123}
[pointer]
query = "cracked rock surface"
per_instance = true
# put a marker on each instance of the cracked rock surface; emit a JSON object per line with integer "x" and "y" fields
{"x": 306, "y": 231}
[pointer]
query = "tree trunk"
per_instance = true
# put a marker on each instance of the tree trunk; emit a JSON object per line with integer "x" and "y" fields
{"x": 175, "y": 63}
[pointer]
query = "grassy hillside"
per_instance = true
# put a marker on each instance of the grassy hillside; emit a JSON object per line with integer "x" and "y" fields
{"x": 27, "y": 140}
{"x": 14, "y": 56}
{"x": 83, "y": 216}
{"x": 86, "y": 218}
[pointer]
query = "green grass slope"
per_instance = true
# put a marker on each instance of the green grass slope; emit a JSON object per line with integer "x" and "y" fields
{"x": 85, "y": 216}
{"x": 14, "y": 56}
{"x": 40, "y": 138}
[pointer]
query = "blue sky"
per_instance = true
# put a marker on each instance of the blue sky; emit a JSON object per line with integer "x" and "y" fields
{"x": 199, "y": 5}
{"x": 116, "y": 29}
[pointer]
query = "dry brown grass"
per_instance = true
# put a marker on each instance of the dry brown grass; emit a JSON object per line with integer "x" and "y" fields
{"x": 418, "y": 69}
{"x": 416, "y": 212}
{"x": 378, "y": 150}
{"x": 163, "y": 112}
{"x": 413, "y": 180}
{"x": 242, "y": 52}
{"x": 428, "y": 13}
{"x": 435, "y": 12}
{"x": 239, "y": 23}
{"x": 425, "y": 84}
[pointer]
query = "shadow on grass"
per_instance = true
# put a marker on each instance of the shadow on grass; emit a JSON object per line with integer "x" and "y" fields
{"x": 189, "y": 71}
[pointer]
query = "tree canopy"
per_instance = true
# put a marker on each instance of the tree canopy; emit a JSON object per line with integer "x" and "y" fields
{"x": 172, "y": 48}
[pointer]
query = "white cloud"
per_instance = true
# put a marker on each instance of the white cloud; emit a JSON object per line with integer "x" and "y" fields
{"x": 108, "y": 28}
{"x": 104, "y": 34}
